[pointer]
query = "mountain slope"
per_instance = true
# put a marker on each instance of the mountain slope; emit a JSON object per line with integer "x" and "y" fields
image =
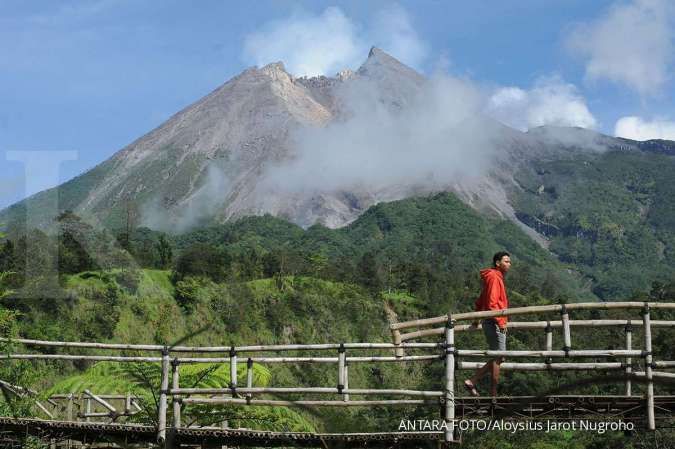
{"x": 212, "y": 163}
{"x": 209, "y": 162}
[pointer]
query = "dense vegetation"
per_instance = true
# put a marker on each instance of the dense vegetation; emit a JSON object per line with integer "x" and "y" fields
{"x": 264, "y": 280}
{"x": 611, "y": 215}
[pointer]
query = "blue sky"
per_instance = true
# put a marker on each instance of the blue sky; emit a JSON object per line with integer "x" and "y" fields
{"x": 92, "y": 76}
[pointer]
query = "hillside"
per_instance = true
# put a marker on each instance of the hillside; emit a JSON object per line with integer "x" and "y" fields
{"x": 266, "y": 280}
{"x": 610, "y": 214}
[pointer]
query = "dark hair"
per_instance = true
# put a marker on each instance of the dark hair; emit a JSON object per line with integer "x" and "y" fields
{"x": 498, "y": 256}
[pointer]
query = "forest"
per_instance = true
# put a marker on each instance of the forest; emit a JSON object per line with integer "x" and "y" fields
{"x": 265, "y": 280}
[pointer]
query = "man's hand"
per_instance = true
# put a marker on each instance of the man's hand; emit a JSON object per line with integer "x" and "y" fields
{"x": 474, "y": 324}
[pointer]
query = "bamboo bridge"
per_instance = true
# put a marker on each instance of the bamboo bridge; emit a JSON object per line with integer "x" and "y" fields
{"x": 90, "y": 419}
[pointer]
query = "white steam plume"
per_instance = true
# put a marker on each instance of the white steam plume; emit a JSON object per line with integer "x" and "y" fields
{"x": 436, "y": 139}
{"x": 550, "y": 102}
{"x": 637, "y": 128}
{"x": 200, "y": 206}
{"x": 324, "y": 44}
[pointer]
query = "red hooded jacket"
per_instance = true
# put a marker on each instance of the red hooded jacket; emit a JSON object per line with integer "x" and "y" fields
{"x": 493, "y": 294}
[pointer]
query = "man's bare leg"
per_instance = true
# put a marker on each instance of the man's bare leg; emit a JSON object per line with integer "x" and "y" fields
{"x": 495, "y": 375}
{"x": 482, "y": 371}
{"x": 489, "y": 367}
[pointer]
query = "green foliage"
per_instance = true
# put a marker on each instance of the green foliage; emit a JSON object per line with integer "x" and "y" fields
{"x": 129, "y": 279}
{"x": 426, "y": 246}
{"x": 201, "y": 260}
{"x": 74, "y": 244}
{"x": 188, "y": 292}
{"x": 18, "y": 373}
{"x": 264, "y": 280}
{"x": 164, "y": 252}
{"x": 142, "y": 380}
{"x": 4, "y": 289}
{"x": 611, "y": 215}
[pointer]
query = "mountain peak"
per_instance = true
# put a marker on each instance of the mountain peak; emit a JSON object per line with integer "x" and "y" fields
{"x": 380, "y": 62}
{"x": 379, "y": 55}
{"x": 274, "y": 69}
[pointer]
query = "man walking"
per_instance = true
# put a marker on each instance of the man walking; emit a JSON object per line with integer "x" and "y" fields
{"x": 492, "y": 297}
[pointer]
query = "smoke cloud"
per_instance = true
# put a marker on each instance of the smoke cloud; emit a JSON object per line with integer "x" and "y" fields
{"x": 195, "y": 210}
{"x": 437, "y": 138}
{"x": 637, "y": 128}
{"x": 550, "y": 102}
{"x": 323, "y": 44}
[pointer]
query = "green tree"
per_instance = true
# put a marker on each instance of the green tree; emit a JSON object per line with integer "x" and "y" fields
{"x": 7, "y": 256}
{"x": 164, "y": 251}
{"x": 317, "y": 264}
{"x": 75, "y": 241}
{"x": 202, "y": 260}
{"x": 6, "y": 264}
{"x": 369, "y": 273}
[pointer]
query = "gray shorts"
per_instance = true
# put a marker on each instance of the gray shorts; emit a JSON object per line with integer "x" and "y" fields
{"x": 495, "y": 337}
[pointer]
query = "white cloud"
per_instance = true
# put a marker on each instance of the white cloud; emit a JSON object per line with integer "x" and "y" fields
{"x": 394, "y": 33}
{"x": 308, "y": 45}
{"x": 326, "y": 43}
{"x": 638, "y": 129}
{"x": 435, "y": 140}
{"x": 550, "y": 102}
{"x": 632, "y": 44}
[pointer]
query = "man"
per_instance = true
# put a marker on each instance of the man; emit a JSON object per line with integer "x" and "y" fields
{"x": 492, "y": 297}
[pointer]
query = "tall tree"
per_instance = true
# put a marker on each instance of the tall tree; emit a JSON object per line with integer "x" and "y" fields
{"x": 165, "y": 252}
{"x": 75, "y": 237}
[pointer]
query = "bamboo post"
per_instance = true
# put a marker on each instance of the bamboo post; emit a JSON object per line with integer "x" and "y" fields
{"x": 651, "y": 424}
{"x": 87, "y": 408}
{"x": 549, "y": 340}
{"x": 396, "y": 337}
{"x": 549, "y": 336}
{"x": 629, "y": 360}
{"x": 69, "y": 408}
{"x": 341, "y": 369}
{"x": 249, "y": 376}
{"x": 127, "y": 403}
{"x": 175, "y": 384}
{"x": 567, "y": 337}
{"x": 164, "y": 387}
{"x": 233, "y": 371}
{"x": 101, "y": 401}
{"x": 450, "y": 380}
{"x": 345, "y": 397}
{"x": 44, "y": 409}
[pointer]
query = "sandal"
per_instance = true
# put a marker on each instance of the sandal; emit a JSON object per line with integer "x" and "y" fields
{"x": 471, "y": 388}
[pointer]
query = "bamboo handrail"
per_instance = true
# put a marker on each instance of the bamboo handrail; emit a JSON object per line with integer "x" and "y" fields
{"x": 307, "y": 390}
{"x": 276, "y": 402}
{"x": 344, "y": 354}
{"x": 570, "y": 353}
{"x": 530, "y": 310}
{"x": 524, "y": 366}
{"x": 535, "y": 325}
{"x": 219, "y": 349}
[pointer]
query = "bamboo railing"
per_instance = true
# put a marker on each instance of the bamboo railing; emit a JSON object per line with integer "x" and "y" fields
{"x": 342, "y": 355}
{"x": 566, "y": 324}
